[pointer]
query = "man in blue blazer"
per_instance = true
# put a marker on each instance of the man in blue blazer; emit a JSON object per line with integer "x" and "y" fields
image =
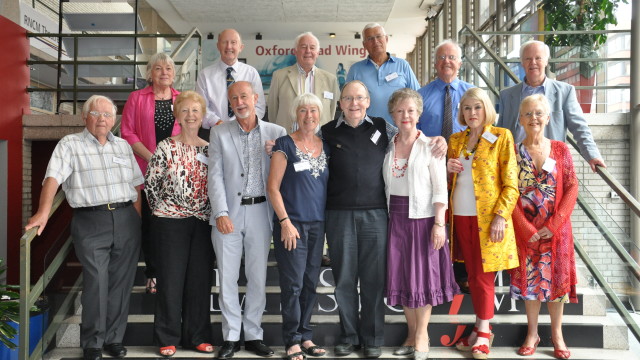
{"x": 565, "y": 110}
{"x": 242, "y": 216}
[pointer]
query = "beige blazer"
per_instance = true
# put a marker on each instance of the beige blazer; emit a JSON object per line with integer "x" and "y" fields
{"x": 284, "y": 89}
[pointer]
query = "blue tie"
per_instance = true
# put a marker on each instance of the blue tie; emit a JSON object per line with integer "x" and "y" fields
{"x": 230, "y": 80}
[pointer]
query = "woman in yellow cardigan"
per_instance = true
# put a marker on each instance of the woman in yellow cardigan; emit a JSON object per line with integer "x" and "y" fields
{"x": 482, "y": 166}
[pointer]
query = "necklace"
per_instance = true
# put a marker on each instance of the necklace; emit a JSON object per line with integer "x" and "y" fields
{"x": 466, "y": 153}
{"x": 162, "y": 97}
{"x": 309, "y": 151}
{"x": 399, "y": 171}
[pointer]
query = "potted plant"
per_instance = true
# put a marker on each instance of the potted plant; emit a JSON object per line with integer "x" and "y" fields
{"x": 9, "y": 310}
{"x": 580, "y": 15}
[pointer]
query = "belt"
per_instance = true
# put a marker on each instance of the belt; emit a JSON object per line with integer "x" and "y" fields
{"x": 253, "y": 200}
{"x": 106, "y": 207}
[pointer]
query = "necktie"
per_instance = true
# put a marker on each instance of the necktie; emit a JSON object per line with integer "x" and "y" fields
{"x": 447, "y": 121}
{"x": 230, "y": 80}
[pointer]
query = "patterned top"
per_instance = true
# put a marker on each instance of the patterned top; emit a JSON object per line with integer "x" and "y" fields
{"x": 252, "y": 161}
{"x": 92, "y": 174}
{"x": 163, "y": 119}
{"x": 558, "y": 192}
{"x": 303, "y": 187}
{"x": 176, "y": 181}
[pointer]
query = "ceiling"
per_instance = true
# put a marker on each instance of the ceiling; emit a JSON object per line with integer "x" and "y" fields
{"x": 404, "y": 20}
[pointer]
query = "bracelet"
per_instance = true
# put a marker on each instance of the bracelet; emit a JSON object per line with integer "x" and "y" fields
{"x": 283, "y": 219}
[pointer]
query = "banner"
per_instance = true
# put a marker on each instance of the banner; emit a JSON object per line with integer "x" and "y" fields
{"x": 267, "y": 56}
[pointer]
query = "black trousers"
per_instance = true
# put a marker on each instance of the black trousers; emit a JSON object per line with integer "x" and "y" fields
{"x": 184, "y": 257}
{"x": 147, "y": 239}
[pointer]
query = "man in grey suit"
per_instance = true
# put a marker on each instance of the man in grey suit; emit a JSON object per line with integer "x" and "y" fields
{"x": 242, "y": 217}
{"x": 565, "y": 110}
{"x": 298, "y": 79}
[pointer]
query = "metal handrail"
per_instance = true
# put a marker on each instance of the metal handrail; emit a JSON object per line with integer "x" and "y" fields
{"x": 489, "y": 51}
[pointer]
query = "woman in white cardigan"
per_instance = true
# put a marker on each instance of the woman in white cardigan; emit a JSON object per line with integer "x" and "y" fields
{"x": 419, "y": 268}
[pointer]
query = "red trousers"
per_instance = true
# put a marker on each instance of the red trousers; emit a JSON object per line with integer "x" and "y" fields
{"x": 481, "y": 284}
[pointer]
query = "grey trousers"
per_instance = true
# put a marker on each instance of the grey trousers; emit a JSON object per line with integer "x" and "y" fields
{"x": 107, "y": 244}
{"x": 357, "y": 242}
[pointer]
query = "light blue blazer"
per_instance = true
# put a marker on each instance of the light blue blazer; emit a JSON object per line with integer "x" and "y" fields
{"x": 565, "y": 114}
{"x": 226, "y": 170}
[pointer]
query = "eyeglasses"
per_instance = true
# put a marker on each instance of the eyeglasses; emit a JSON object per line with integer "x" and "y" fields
{"x": 97, "y": 114}
{"x": 353, "y": 98}
{"x": 372, "y": 38}
{"x": 450, "y": 57}
{"x": 537, "y": 114}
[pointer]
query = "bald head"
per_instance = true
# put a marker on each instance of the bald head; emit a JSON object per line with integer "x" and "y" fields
{"x": 230, "y": 45}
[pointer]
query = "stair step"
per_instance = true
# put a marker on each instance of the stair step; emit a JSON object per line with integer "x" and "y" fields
{"x": 149, "y": 352}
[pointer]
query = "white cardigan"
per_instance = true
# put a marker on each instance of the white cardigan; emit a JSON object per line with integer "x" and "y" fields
{"x": 427, "y": 177}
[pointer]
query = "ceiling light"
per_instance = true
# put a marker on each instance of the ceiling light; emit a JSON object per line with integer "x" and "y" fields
{"x": 332, "y": 35}
{"x": 210, "y": 36}
{"x": 357, "y": 35}
{"x": 258, "y": 36}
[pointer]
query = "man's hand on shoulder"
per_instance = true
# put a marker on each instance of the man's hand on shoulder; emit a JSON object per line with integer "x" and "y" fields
{"x": 438, "y": 146}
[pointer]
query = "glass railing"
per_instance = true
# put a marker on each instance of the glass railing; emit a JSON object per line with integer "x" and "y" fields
{"x": 107, "y": 64}
{"x": 492, "y": 61}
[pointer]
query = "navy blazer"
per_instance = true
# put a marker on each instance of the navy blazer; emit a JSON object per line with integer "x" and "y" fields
{"x": 565, "y": 114}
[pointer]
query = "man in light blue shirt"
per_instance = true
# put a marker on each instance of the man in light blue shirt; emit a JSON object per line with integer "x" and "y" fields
{"x": 448, "y": 60}
{"x": 380, "y": 72}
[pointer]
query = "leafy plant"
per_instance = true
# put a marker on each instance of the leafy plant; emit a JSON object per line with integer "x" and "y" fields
{"x": 9, "y": 310}
{"x": 580, "y": 15}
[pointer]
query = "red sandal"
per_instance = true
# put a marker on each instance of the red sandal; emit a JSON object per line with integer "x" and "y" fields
{"x": 482, "y": 351}
{"x": 170, "y": 351}
{"x": 463, "y": 343}
{"x": 560, "y": 354}
{"x": 527, "y": 350}
{"x": 204, "y": 348}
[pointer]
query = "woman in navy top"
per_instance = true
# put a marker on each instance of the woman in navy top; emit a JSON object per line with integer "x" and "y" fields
{"x": 297, "y": 188}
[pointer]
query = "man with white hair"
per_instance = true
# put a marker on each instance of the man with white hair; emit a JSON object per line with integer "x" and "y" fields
{"x": 302, "y": 77}
{"x": 101, "y": 180}
{"x": 380, "y": 72}
{"x": 442, "y": 95}
{"x": 565, "y": 110}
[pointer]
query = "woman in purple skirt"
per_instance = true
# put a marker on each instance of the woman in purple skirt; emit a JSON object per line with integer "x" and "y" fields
{"x": 419, "y": 268}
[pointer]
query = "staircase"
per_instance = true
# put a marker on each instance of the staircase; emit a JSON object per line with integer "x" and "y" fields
{"x": 589, "y": 330}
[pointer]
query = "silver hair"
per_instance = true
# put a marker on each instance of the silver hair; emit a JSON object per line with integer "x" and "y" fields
{"x": 371, "y": 26}
{"x": 93, "y": 100}
{"x": 445, "y": 42}
{"x": 299, "y": 37}
{"x": 305, "y": 99}
{"x": 545, "y": 47}
{"x": 159, "y": 58}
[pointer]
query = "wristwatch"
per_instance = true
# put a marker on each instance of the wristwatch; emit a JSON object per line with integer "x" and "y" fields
{"x": 441, "y": 224}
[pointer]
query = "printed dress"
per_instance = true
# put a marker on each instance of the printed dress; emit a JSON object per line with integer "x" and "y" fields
{"x": 547, "y": 197}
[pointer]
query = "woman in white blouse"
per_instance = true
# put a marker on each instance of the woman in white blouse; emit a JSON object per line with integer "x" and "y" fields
{"x": 176, "y": 186}
{"x": 419, "y": 269}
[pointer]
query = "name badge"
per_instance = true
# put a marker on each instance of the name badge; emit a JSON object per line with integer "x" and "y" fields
{"x": 328, "y": 95}
{"x": 302, "y": 165}
{"x": 120, "y": 161}
{"x": 202, "y": 158}
{"x": 391, "y": 76}
{"x": 549, "y": 165}
{"x": 375, "y": 137}
{"x": 490, "y": 137}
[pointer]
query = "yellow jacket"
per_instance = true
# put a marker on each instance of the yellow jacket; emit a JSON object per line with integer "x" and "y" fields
{"x": 495, "y": 177}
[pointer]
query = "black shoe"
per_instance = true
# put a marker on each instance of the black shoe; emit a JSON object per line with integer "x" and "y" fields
{"x": 372, "y": 351}
{"x": 228, "y": 349}
{"x": 92, "y": 354}
{"x": 258, "y": 347}
{"x": 116, "y": 350}
{"x": 344, "y": 349}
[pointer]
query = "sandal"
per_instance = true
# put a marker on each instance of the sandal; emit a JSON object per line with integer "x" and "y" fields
{"x": 528, "y": 350}
{"x": 560, "y": 354}
{"x": 204, "y": 348}
{"x": 463, "y": 343}
{"x": 151, "y": 286}
{"x": 482, "y": 351}
{"x": 314, "y": 350}
{"x": 167, "y": 351}
{"x": 296, "y": 355}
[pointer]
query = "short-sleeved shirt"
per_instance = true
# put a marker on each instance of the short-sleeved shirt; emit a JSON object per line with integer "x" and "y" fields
{"x": 93, "y": 174}
{"x": 304, "y": 192}
{"x": 382, "y": 81}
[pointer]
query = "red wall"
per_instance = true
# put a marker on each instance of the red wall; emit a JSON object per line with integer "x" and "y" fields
{"x": 14, "y": 102}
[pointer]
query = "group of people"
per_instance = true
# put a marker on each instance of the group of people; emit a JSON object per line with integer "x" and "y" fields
{"x": 387, "y": 185}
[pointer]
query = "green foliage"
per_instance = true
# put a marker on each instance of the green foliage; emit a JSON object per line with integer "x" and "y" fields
{"x": 9, "y": 310}
{"x": 580, "y": 15}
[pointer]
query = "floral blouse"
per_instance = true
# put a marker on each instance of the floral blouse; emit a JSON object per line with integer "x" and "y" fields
{"x": 176, "y": 181}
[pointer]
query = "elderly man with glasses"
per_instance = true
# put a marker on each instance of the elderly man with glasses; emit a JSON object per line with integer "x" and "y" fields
{"x": 380, "y": 72}
{"x": 101, "y": 180}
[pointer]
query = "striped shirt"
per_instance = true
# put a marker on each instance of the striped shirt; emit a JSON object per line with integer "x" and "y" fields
{"x": 92, "y": 174}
